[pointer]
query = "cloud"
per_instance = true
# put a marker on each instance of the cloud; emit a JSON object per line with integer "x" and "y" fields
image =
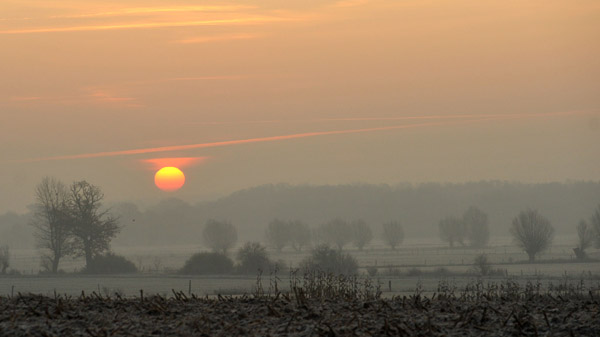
{"x": 15, "y": 19}
{"x": 179, "y": 162}
{"x": 205, "y": 39}
{"x": 105, "y": 97}
{"x": 252, "y": 140}
{"x": 86, "y": 97}
{"x": 158, "y": 10}
{"x": 460, "y": 121}
{"x": 149, "y": 25}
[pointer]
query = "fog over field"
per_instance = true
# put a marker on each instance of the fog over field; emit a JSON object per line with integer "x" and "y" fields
{"x": 402, "y": 139}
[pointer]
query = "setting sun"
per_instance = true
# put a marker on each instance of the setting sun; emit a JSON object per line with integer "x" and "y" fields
{"x": 169, "y": 179}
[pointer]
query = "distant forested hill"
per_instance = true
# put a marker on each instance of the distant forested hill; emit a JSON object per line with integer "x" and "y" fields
{"x": 418, "y": 207}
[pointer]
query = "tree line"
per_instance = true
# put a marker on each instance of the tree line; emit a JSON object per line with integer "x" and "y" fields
{"x": 70, "y": 220}
{"x": 336, "y": 232}
{"x": 530, "y": 230}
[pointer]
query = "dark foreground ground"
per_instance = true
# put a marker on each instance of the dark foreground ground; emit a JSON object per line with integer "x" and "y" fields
{"x": 537, "y": 315}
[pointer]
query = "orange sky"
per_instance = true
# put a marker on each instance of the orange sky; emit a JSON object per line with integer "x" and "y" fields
{"x": 509, "y": 90}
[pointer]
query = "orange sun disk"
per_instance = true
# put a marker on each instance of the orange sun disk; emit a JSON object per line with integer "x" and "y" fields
{"x": 169, "y": 179}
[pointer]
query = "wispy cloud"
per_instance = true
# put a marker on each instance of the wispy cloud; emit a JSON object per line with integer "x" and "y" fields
{"x": 205, "y": 39}
{"x": 150, "y": 25}
{"x": 251, "y": 140}
{"x": 103, "y": 96}
{"x": 15, "y": 19}
{"x": 42, "y": 100}
{"x": 158, "y": 10}
{"x": 443, "y": 122}
{"x": 85, "y": 96}
{"x": 179, "y": 162}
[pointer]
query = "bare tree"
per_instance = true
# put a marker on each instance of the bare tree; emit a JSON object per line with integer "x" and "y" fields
{"x": 481, "y": 265}
{"x": 329, "y": 260}
{"x": 392, "y": 233}
{"x": 361, "y": 233}
{"x": 585, "y": 236}
{"x": 92, "y": 227}
{"x": 532, "y": 232}
{"x": 278, "y": 234}
{"x": 4, "y": 258}
{"x": 52, "y": 222}
{"x": 252, "y": 257}
{"x": 595, "y": 222}
{"x": 452, "y": 230}
{"x": 476, "y": 226}
{"x": 219, "y": 235}
{"x": 336, "y": 232}
{"x": 300, "y": 234}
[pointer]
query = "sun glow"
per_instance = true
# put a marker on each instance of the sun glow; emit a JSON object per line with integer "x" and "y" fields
{"x": 169, "y": 179}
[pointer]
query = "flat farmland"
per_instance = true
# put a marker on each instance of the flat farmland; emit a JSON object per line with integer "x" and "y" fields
{"x": 415, "y": 263}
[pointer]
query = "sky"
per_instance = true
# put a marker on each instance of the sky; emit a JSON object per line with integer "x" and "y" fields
{"x": 244, "y": 93}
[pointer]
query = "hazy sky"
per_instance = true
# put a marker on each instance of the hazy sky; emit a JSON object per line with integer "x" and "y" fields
{"x": 326, "y": 92}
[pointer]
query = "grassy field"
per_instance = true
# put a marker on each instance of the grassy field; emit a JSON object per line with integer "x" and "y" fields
{"x": 413, "y": 252}
{"x": 399, "y": 271}
{"x": 130, "y": 285}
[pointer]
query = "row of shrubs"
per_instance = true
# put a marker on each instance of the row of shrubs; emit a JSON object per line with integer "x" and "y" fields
{"x": 251, "y": 258}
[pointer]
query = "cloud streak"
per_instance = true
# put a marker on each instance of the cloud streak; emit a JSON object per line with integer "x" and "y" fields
{"x": 179, "y": 162}
{"x": 458, "y": 120}
{"x": 149, "y": 25}
{"x": 157, "y": 10}
{"x": 205, "y": 39}
{"x": 249, "y": 141}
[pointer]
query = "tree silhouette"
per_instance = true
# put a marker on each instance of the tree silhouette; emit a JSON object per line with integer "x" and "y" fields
{"x": 532, "y": 232}
{"x": 92, "y": 228}
{"x": 392, "y": 233}
{"x": 585, "y": 238}
{"x": 452, "y": 229}
{"x": 361, "y": 233}
{"x": 52, "y": 222}
{"x": 252, "y": 257}
{"x": 219, "y": 235}
{"x": 595, "y": 222}
{"x": 4, "y": 258}
{"x": 336, "y": 232}
{"x": 325, "y": 259}
{"x": 278, "y": 234}
{"x": 476, "y": 226}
